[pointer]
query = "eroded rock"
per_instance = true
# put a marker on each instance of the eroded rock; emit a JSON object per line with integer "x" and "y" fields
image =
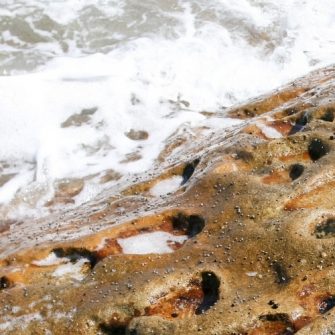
{"x": 241, "y": 242}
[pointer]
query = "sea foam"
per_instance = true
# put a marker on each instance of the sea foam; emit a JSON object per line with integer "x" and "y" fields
{"x": 152, "y": 66}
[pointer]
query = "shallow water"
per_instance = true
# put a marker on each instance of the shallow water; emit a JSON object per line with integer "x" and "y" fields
{"x": 77, "y": 76}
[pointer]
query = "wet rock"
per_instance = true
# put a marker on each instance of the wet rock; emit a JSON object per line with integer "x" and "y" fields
{"x": 137, "y": 135}
{"x": 69, "y": 187}
{"x": 131, "y": 157}
{"x": 247, "y": 239}
{"x": 110, "y": 175}
{"x": 77, "y": 120}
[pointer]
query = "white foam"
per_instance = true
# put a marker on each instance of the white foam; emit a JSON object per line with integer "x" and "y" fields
{"x": 268, "y": 131}
{"x": 166, "y": 186}
{"x": 156, "y": 243}
{"x": 72, "y": 270}
{"x": 138, "y": 70}
{"x": 50, "y": 260}
{"x": 21, "y": 322}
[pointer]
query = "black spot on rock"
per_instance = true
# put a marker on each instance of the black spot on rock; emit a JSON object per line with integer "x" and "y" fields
{"x": 328, "y": 115}
{"x": 248, "y": 112}
{"x": 192, "y": 225}
{"x": 189, "y": 170}
{"x": 325, "y": 229}
{"x": 317, "y": 149}
{"x": 5, "y": 283}
{"x": 281, "y": 274}
{"x": 327, "y": 304}
{"x": 75, "y": 254}
{"x": 244, "y": 155}
{"x": 300, "y": 123}
{"x": 278, "y": 317}
{"x": 210, "y": 285}
{"x": 113, "y": 330}
{"x": 296, "y": 171}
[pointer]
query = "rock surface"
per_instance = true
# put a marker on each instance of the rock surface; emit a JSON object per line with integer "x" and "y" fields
{"x": 244, "y": 245}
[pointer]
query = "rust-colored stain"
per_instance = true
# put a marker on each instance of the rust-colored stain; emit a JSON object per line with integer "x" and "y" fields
{"x": 283, "y": 127}
{"x": 295, "y": 158}
{"x": 276, "y": 177}
{"x": 321, "y": 196}
{"x": 111, "y": 247}
{"x": 180, "y": 303}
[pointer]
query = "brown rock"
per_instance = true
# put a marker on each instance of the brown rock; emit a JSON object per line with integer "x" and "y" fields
{"x": 243, "y": 246}
{"x": 131, "y": 157}
{"x": 110, "y": 175}
{"x": 76, "y": 120}
{"x": 69, "y": 187}
{"x": 137, "y": 135}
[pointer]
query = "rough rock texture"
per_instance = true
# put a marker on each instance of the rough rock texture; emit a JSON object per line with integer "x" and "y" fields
{"x": 243, "y": 243}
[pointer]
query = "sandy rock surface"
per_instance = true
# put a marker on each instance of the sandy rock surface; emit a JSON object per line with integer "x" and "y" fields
{"x": 232, "y": 232}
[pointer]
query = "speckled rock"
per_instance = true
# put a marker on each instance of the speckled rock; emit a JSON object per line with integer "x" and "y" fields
{"x": 242, "y": 243}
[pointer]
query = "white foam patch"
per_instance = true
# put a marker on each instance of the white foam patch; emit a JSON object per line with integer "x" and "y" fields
{"x": 166, "y": 186}
{"x": 72, "y": 270}
{"x": 150, "y": 243}
{"x": 20, "y": 322}
{"x": 251, "y": 274}
{"x": 268, "y": 131}
{"x": 66, "y": 268}
{"x": 50, "y": 260}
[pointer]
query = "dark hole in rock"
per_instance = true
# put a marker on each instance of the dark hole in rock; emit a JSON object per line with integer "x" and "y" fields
{"x": 210, "y": 285}
{"x": 192, "y": 225}
{"x": 326, "y": 229}
{"x": 328, "y": 115}
{"x": 296, "y": 171}
{"x": 189, "y": 170}
{"x": 244, "y": 155}
{"x": 248, "y": 112}
{"x": 281, "y": 317}
{"x": 132, "y": 332}
{"x": 281, "y": 274}
{"x": 113, "y": 330}
{"x": 327, "y": 304}
{"x": 75, "y": 254}
{"x": 300, "y": 123}
{"x": 5, "y": 283}
{"x": 317, "y": 149}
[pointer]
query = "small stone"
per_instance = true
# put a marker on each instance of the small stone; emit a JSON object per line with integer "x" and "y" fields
{"x": 137, "y": 135}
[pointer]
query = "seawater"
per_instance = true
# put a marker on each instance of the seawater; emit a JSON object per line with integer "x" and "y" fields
{"x": 148, "y": 65}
